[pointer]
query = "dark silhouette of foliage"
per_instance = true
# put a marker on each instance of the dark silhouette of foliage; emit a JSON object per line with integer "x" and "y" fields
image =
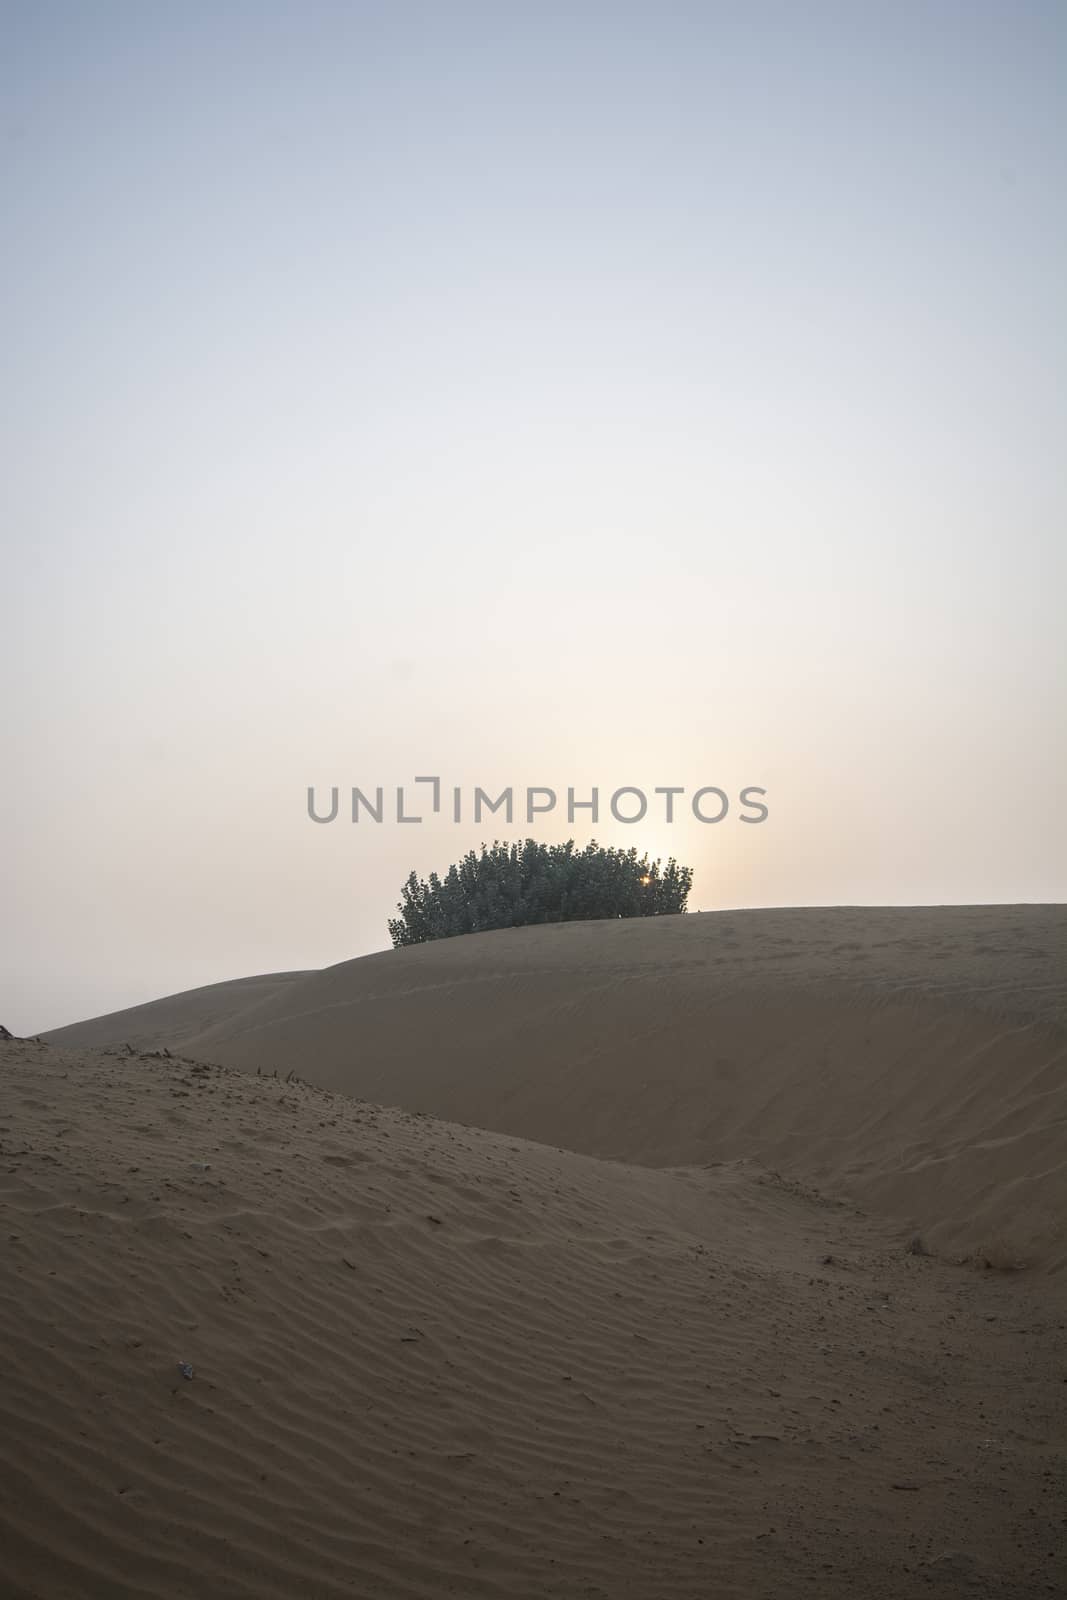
{"x": 513, "y": 885}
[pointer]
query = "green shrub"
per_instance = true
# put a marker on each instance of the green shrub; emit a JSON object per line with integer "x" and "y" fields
{"x": 511, "y": 886}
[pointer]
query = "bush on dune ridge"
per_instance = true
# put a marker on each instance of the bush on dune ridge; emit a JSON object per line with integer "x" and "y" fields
{"x": 513, "y": 886}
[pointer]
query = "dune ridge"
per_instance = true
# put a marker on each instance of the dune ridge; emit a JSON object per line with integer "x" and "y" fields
{"x": 173, "y": 1018}
{"x": 914, "y": 1059}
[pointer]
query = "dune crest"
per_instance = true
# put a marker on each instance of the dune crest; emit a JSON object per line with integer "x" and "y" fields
{"x": 914, "y": 1059}
{"x": 174, "y": 1018}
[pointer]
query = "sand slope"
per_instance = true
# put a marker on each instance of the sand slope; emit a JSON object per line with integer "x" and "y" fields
{"x": 430, "y": 1360}
{"x": 915, "y": 1059}
{"x": 176, "y": 1017}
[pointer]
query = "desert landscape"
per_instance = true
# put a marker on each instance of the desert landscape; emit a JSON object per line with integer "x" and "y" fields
{"x": 707, "y": 1255}
{"x": 573, "y": 494}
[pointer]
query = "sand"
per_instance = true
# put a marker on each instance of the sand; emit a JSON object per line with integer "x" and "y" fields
{"x": 177, "y": 1017}
{"x": 914, "y": 1060}
{"x": 431, "y": 1358}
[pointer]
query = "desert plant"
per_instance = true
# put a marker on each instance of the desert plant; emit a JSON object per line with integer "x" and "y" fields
{"x": 511, "y": 886}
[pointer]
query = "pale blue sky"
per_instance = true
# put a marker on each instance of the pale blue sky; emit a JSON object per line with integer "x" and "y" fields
{"x": 616, "y": 394}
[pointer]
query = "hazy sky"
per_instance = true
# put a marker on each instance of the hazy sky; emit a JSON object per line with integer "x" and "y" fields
{"x": 524, "y": 394}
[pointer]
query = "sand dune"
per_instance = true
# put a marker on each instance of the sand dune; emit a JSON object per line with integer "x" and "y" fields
{"x": 176, "y": 1017}
{"x": 430, "y": 1360}
{"x": 913, "y": 1059}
